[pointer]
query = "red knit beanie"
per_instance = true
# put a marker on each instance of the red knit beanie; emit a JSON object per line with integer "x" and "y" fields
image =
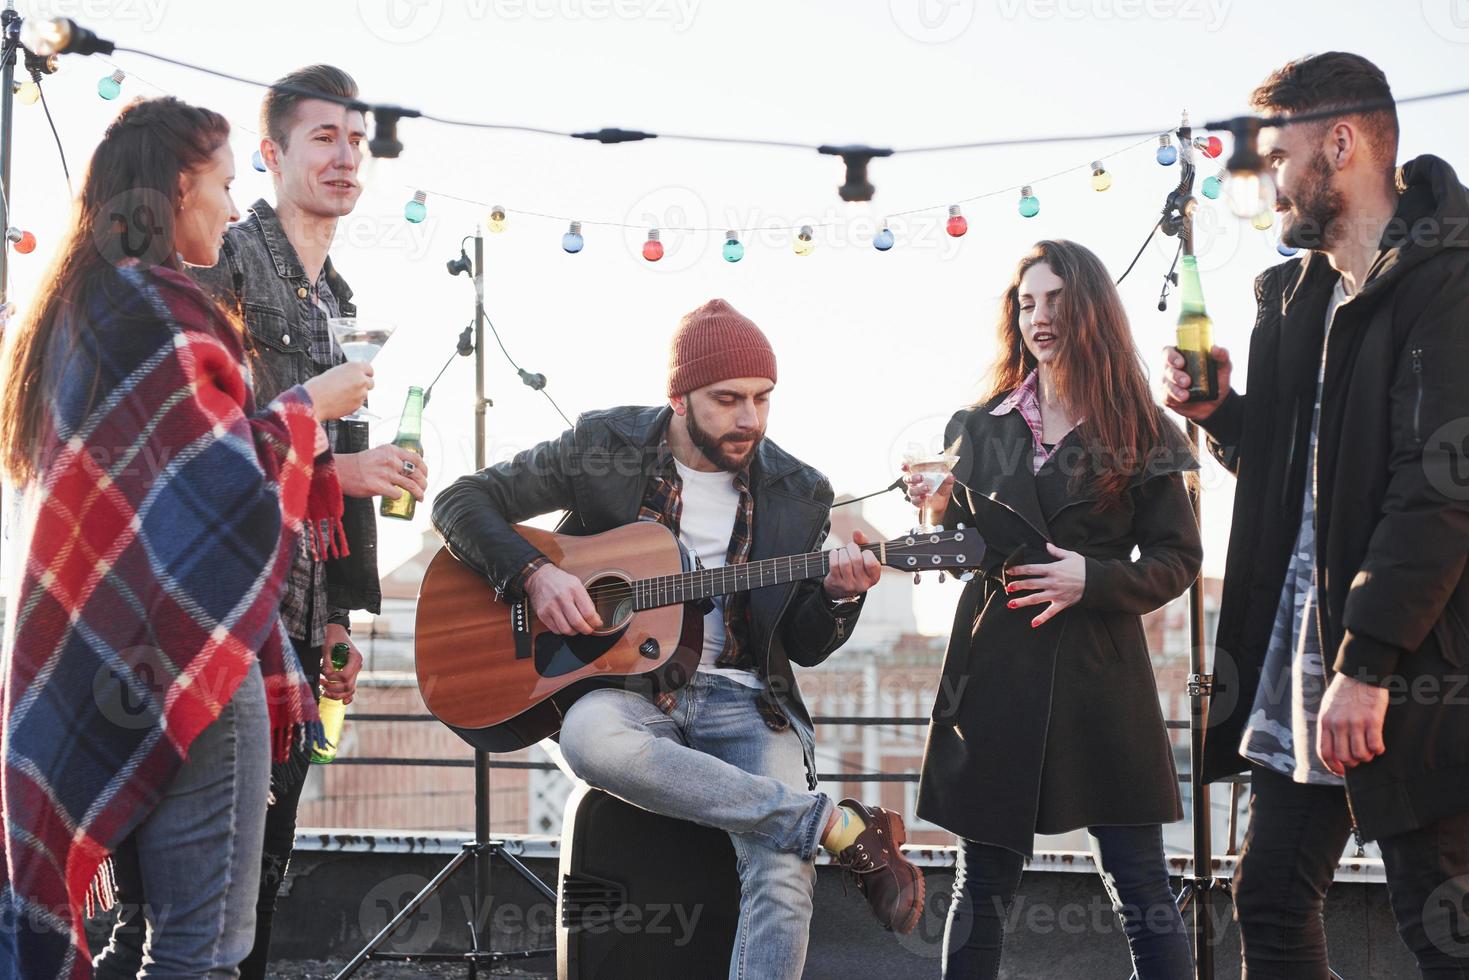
{"x": 715, "y": 343}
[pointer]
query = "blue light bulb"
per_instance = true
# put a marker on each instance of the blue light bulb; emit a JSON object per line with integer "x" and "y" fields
{"x": 733, "y": 250}
{"x": 110, "y": 86}
{"x": 1030, "y": 205}
{"x": 417, "y": 209}
{"x": 1285, "y": 249}
{"x": 257, "y": 161}
{"x": 883, "y": 240}
{"x": 1167, "y": 152}
{"x": 572, "y": 240}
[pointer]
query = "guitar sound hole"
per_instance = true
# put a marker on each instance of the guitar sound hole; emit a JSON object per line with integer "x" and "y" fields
{"x": 612, "y": 595}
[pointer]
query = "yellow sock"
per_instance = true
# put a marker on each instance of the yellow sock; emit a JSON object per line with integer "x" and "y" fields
{"x": 844, "y": 831}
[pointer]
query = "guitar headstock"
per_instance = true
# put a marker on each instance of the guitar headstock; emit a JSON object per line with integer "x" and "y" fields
{"x": 937, "y": 550}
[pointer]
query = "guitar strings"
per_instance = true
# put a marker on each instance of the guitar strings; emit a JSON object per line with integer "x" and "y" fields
{"x": 618, "y": 591}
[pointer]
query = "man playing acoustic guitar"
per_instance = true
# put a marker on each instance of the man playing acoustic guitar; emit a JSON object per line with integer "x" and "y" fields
{"x": 734, "y": 748}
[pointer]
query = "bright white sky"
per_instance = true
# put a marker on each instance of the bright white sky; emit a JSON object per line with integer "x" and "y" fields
{"x": 876, "y": 350}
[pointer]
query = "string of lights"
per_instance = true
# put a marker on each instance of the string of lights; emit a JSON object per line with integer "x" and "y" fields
{"x": 1250, "y": 192}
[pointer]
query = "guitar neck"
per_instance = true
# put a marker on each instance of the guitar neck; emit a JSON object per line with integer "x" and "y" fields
{"x": 706, "y": 583}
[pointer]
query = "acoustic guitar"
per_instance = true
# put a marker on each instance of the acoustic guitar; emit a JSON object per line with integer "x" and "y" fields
{"x": 491, "y": 671}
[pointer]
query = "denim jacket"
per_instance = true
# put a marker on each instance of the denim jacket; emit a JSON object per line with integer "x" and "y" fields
{"x": 260, "y": 276}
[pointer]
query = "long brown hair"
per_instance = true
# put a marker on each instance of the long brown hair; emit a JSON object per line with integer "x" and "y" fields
{"x": 126, "y": 212}
{"x": 1097, "y": 368}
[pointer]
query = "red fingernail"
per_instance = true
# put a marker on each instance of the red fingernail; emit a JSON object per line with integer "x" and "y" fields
{"x": 1012, "y": 605}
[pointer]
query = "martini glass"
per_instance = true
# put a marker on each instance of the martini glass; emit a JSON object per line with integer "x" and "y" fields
{"x": 934, "y": 468}
{"x": 360, "y": 339}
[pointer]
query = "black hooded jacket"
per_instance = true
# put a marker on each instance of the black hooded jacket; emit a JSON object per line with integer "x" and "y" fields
{"x": 1392, "y": 498}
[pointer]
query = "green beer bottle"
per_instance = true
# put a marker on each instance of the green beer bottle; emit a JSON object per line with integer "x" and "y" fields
{"x": 1196, "y": 336}
{"x": 410, "y": 436}
{"x": 332, "y": 711}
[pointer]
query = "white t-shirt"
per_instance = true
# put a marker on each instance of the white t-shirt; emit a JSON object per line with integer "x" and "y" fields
{"x": 710, "y": 502}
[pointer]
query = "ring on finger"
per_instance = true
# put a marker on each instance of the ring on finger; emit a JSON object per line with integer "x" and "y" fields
{"x": 408, "y": 467}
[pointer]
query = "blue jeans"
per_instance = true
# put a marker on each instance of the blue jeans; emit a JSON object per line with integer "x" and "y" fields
{"x": 714, "y": 761}
{"x": 1134, "y": 872}
{"x": 189, "y": 874}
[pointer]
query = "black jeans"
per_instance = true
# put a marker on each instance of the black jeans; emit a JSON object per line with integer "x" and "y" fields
{"x": 280, "y": 835}
{"x": 1134, "y": 871}
{"x": 1296, "y": 836}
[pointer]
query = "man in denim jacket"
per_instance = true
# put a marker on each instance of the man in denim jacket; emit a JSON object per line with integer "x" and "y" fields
{"x": 275, "y": 271}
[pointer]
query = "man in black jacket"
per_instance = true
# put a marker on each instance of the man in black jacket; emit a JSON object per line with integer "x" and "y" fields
{"x": 734, "y": 748}
{"x": 1343, "y": 636}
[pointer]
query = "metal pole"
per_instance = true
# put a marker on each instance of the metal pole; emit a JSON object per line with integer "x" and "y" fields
{"x": 1200, "y": 682}
{"x": 481, "y": 758}
{"x": 10, "y": 33}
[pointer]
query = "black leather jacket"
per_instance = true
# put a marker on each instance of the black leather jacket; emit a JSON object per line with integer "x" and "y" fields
{"x": 597, "y": 473}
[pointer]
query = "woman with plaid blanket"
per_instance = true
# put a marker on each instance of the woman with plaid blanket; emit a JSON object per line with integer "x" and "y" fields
{"x": 146, "y": 687}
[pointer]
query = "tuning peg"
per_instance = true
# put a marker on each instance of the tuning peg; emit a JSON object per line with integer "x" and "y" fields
{"x": 917, "y": 577}
{"x": 941, "y": 577}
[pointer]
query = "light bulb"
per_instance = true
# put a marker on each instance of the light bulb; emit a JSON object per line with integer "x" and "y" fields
{"x": 496, "y": 221}
{"x": 883, "y": 240}
{"x": 804, "y": 244}
{"x": 652, "y": 248}
{"x": 257, "y": 161}
{"x": 1263, "y": 220}
{"x": 24, "y": 241}
{"x": 572, "y": 240}
{"x": 110, "y": 86}
{"x": 28, "y": 93}
{"x": 1286, "y": 250}
{"x": 1030, "y": 205}
{"x": 417, "y": 209}
{"x": 733, "y": 250}
{"x": 956, "y": 226}
{"x": 1210, "y": 147}
{"x": 1167, "y": 152}
{"x": 1101, "y": 180}
{"x": 1250, "y": 193}
{"x": 1213, "y": 184}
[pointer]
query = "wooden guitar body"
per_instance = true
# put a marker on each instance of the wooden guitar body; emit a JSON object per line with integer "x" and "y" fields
{"x": 491, "y": 671}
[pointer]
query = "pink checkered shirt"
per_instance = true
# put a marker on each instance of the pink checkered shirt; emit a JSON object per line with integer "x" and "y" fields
{"x": 1027, "y": 402}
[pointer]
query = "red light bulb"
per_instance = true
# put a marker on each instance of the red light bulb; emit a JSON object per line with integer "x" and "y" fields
{"x": 957, "y": 226}
{"x": 652, "y": 248}
{"x": 1213, "y": 146}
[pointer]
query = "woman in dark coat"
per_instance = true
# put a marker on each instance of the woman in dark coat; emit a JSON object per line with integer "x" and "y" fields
{"x": 1047, "y": 718}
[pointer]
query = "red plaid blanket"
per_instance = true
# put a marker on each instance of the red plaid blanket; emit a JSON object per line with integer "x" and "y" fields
{"x": 154, "y": 547}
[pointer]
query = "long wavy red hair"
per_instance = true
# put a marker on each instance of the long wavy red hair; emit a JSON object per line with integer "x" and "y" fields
{"x": 1097, "y": 368}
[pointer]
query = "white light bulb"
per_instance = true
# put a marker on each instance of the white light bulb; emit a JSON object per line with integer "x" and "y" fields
{"x": 1250, "y": 193}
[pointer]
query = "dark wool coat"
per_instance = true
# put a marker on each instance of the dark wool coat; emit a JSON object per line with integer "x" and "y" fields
{"x": 1050, "y": 729}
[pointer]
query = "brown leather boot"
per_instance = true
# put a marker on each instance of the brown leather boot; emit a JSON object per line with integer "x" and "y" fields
{"x": 892, "y": 884}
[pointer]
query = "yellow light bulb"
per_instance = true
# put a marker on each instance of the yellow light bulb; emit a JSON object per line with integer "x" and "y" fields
{"x": 496, "y": 221}
{"x": 28, "y": 93}
{"x": 804, "y": 243}
{"x": 1263, "y": 220}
